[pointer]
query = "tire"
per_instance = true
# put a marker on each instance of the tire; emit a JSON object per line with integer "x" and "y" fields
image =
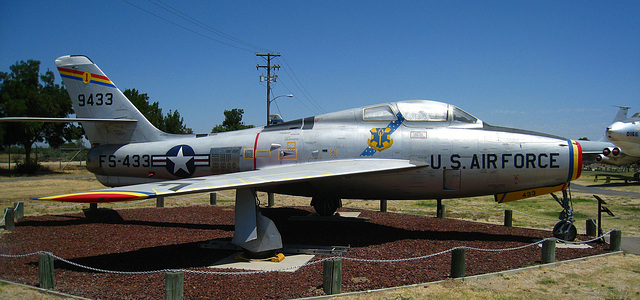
{"x": 565, "y": 230}
{"x": 326, "y": 206}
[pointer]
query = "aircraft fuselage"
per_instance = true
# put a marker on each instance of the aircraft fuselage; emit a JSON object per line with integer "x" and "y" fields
{"x": 464, "y": 157}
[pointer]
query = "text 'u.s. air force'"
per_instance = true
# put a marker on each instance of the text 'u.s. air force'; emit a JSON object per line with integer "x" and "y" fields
{"x": 498, "y": 161}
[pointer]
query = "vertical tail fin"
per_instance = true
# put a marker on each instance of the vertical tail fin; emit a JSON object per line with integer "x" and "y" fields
{"x": 622, "y": 114}
{"x": 94, "y": 96}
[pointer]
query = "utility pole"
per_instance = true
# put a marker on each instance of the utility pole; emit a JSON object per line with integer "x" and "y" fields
{"x": 269, "y": 78}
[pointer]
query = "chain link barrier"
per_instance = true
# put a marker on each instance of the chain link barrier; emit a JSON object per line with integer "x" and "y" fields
{"x": 298, "y": 266}
{"x": 480, "y": 212}
{"x": 503, "y": 209}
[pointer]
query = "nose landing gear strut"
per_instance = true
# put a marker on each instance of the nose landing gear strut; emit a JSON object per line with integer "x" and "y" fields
{"x": 565, "y": 230}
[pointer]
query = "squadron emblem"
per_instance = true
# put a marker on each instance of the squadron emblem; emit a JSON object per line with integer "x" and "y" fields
{"x": 380, "y": 139}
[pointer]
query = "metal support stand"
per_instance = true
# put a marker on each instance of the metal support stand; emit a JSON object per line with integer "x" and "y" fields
{"x": 601, "y": 209}
{"x": 253, "y": 231}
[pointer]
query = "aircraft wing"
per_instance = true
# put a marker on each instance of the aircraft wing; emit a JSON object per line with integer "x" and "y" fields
{"x": 61, "y": 120}
{"x": 591, "y": 149}
{"x": 256, "y": 178}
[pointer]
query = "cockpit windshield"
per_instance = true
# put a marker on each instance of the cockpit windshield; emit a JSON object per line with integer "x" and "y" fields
{"x": 462, "y": 116}
{"x": 379, "y": 113}
{"x": 417, "y": 112}
{"x": 424, "y": 111}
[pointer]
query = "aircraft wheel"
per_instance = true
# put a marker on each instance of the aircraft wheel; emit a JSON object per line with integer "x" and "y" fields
{"x": 326, "y": 206}
{"x": 565, "y": 230}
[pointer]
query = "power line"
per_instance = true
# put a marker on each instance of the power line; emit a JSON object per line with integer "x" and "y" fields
{"x": 188, "y": 29}
{"x": 202, "y": 25}
{"x": 233, "y": 42}
{"x": 298, "y": 99}
{"x": 296, "y": 81}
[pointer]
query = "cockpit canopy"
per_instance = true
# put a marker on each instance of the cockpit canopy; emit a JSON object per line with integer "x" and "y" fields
{"x": 417, "y": 112}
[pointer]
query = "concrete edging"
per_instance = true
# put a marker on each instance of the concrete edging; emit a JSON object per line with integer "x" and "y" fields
{"x": 43, "y": 291}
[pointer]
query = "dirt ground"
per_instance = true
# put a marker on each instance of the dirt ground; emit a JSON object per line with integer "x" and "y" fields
{"x": 609, "y": 277}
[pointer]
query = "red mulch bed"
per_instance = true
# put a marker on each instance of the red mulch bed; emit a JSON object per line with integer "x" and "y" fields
{"x": 148, "y": 239}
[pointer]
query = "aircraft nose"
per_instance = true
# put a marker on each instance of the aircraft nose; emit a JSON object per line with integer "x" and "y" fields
{"x": 615, "y": 131}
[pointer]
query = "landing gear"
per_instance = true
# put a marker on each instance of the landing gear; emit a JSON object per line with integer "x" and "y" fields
{"x": 326, "y": 206}
{"x": 565, "y": 230}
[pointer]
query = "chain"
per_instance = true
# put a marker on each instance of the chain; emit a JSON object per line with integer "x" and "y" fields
{"x": 298, "y": 266}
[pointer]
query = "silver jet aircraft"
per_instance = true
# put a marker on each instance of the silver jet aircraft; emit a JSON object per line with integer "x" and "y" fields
{"x": 413, "y": 149}
{"x": 624, "y": 133}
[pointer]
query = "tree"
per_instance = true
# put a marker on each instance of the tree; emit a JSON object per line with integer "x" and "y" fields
{"x": 25, "y": 93}
{"x": 171, "y": 123}
{"x": 232, "y": 121}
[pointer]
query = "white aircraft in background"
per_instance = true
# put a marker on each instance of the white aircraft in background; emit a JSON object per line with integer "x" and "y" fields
{"x": 624, "y": 133}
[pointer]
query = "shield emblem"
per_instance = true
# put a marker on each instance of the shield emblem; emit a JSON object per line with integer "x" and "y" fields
{"x": 380, "y": 139}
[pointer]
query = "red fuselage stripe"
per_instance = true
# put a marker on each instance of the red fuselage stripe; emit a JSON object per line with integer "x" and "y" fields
{"x": 255, "y": 146}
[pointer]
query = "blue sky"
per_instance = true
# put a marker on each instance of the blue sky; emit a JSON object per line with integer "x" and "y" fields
{"x": 551, "y": 66}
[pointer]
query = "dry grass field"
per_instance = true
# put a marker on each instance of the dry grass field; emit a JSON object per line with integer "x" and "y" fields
{"x": 610, "y": 277}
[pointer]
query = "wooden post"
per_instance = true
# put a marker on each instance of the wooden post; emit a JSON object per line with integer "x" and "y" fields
{"x": 615, "y": 240}
{"x": 271, "y": 200}
{"x": 440, "y": 212}
{"x": 160, "y": 201}
{"x": 548, "y": 251}
{"x": 332, "y": 276}
{"x": 19, "y": 210}
{"x": 93, "y": 206}
{"x": 458, "y": 260}
{"x": 383, "y": 205}
{"x": 9, "y": 219}
{"x": 213, "y": 198}
{"x": 592, "y": 229}
{"x": 45, "y": 270}
{"x": 174, "y": 285}
{"x": 508, "y": 217}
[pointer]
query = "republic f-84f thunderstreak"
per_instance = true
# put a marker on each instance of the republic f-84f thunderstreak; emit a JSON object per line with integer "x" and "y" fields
{"x": 413, "y": 149}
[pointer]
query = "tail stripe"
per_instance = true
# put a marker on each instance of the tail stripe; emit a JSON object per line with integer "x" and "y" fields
{"x": 86, "y": 77}
{"x": 575, "y": 160}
